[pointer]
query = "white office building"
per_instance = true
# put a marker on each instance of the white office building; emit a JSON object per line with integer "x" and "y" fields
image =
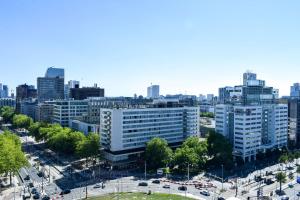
{"x": 125, "y": 132}
{"x": 254, "y": 122}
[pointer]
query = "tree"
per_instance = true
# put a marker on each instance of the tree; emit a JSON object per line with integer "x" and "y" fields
{"x": 207, "y": 114}
{"x": 281, "y": 178}
{"x": 12, "y": 159}
{"x": 88, "y": 147}
{"x": 157, "y": 153}
{"x": 219, "y": 149}
{"x": 22, "y": 121}
{"x": 184, "y": 157}
{"x": 200, "y": 148}
{"x": 7, "y": 113}
{"x": 193, "y": 153}
{"x": 283, "y": 159}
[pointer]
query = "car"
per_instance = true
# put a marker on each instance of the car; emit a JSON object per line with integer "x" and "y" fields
{"x": 167, "y": 186}
{"x": 205, "y": 193}
{"x": 36, "y": 196}
{"x": 221, "y": 198}
{"x": 290, "y": 185}
{"x": 298, "y": 194}
{"x": 285, "y": 198}
{"x": 41, "y": 174}
{"x": 46, "y": 198}
{"x": 156, "y": 181}
{"x": 26, "y": 196}
{"x": 66, "y": 191}
{"x": 280, "y": 193}
{"x": 97, "y": 186}
{"x": 30, "y": 185}
{"x": 34, "y": 191}
{"x": 182, "y": 188}
{"x": 144, "y": 184}
{"x": 27, "y": 178}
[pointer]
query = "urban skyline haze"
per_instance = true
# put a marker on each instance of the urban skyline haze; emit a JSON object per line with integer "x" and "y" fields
{"x": 187, "y": 47}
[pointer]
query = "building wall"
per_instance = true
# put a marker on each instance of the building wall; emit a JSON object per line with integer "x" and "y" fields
{"x": 130, "y": 129}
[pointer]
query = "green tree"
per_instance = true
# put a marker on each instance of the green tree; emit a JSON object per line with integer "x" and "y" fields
{"x": 7, "y": 113}
{"x": 89, "y": 147}
{"x": 184, "y": 157}
{"x": 283, "y": 159}
{"x": 22, "y": 121}
{"x": 157, "y": 153}
{"x": 219, "y": 150}
{"x": 12, "y": 159}
{"x": 281, "y": 178}
{"x": 200, "y": 148}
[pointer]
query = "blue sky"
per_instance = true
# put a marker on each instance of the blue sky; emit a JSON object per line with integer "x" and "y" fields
{"x": 185, "y": 46}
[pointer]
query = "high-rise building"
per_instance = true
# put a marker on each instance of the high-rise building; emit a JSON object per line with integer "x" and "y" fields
{"x": 51, "y": 87}
{"x": 86, "y": 92}
{"x": 295, "y": 90}
{"x": 24, "y": 92}
{"x": 153, "y": 91}
{"x": 253, "y": 121}
{"x": 53, "y": 72}
{"x": 71, "y": 84}
{"x": 28, "y": 107}
{"x": 125, "y": 132}
{"x": 5, "y": 91}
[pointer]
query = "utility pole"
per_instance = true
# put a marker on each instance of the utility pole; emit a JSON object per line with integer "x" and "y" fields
{"x": 236, "y": 187}
{"x": 49, "y": 175}
{"x": 145, "y": 170}
{"x": 222, "y": 176}
{"x": 188, "y": 169}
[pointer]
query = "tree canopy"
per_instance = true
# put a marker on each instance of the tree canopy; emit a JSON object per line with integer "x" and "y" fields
{"x": 219, "y": 149}
{"x": 12, "y": 158}
{"x": 22, "y": 121}
{"x": 157, "y": 153}
{"x": 193, "y": 152}
{"x": 7, "y": 113}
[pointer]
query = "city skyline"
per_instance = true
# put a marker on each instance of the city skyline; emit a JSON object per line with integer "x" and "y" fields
{"x": 189, "y": 48}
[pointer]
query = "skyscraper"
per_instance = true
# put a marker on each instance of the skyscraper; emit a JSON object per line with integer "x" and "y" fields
{"x": 5, "y": 91}
{"x": 53, "y": 72}
{"x": 295, "y": 90}
{"x": 51, "y": 87}
{"x": 24, "y": 92}
{"x": 153, "y": 91}
{"x": 253, "y": 121}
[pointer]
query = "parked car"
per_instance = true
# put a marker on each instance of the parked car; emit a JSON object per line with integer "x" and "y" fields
{"x": 156, "y": 181}
{"x": 46, "y": 198}
{"x": 182, "y": 188}
{"x": 30, "y": 185}
{"x": 205, "y": 193}
{"x": 285, "y": 198}
{"x": 33, "y": 191}
{"x": 144, "y": 184}
{"x": 221, "y": 198}
{"x": 97, "y": 186}
{"x": 27, "y": 178}
{"x": 66, "y": 191}
{"x": 167, "y": 186}
{"x": 36, "y": 196}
